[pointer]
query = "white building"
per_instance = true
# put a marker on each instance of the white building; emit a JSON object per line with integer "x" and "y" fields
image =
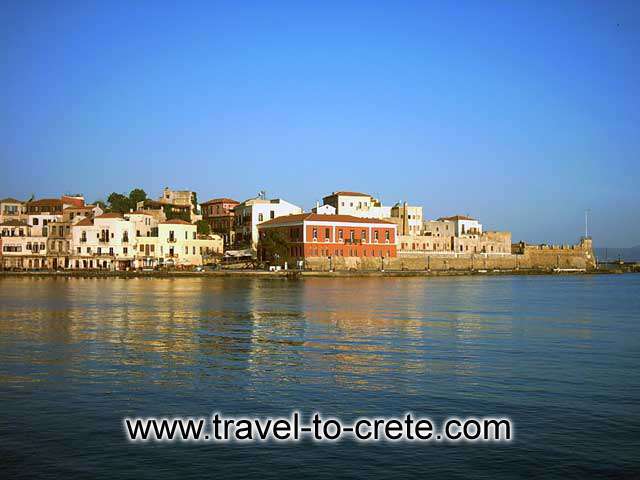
{"x": 106, "y": 241}
{"x": 463, "y": 225}
{"x": 251, "y": 212}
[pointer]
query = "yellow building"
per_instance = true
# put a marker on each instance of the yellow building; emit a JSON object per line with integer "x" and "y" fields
{"x": 177, "y": 244}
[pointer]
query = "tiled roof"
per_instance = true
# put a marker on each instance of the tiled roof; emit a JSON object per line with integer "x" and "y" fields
{"x": 75, "y": 201}
{"x": 175, "y": 221}
{"x": 85, "y": 207}
{"x": 10, "y": 200}
{"x": 456, "y": 217}
{"x": 46, "y": 201}
{"x": 139, "y": 212}
{"x": 14, "y": 223}
{"x": 318, "y": 217}
{"x": 349, "y": 194}
{"x": 220, "y": 200}
{"x": 110, "y": 215}
{"x": 85, "y": 222}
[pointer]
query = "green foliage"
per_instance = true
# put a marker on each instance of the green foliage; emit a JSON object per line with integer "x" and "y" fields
{"x": 275, "y": 248}
{"x": 119, "y": 202}
{"x": 203, "y": 227}
{"x": 173, "y": 214}
{"x": 137, "y": 195}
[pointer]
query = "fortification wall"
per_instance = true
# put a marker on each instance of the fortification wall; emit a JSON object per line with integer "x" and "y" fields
{"x": 525, "y": 257}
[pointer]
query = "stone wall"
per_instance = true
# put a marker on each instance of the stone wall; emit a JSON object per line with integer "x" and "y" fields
{"x": 534, "y": 257}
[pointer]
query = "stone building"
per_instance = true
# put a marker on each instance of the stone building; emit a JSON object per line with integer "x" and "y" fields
{"x": 219, "y": 214}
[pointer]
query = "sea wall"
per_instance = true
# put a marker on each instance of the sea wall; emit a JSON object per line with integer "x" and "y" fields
{"x": 523, "y": 256}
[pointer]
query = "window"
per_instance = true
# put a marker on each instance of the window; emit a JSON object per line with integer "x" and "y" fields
{"x": 340, "y": 235}
{"x": 387, "y": 236}
{"x": 363, "y": 235}
{"x": 376, "y": 236}
{"x": 125, "y": 250}
{"x": 186, "y": 235}
{"x": 99, "y": 250}
{"x": 186, "y": 250}
{"x": 352, "y": 236}
{"x": 260, "y": 217}
{"x": 110, "y": 250}
{"x": 193, "y": 250}
{"x": 315, "y": 234}
{"x": 327, "y": 234}
{"x": 194, "y": 235}
{"x": 35, "y": 221}
{"x": 272, "y": 214}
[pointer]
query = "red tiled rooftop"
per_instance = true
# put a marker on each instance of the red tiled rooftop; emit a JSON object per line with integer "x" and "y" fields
{"x": 110, "y": 215}
{"x": 220, "y": 200}
{"x": 175, "y": 221}
{"x": 318, "y": 217}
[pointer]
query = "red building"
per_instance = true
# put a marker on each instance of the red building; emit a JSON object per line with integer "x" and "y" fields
{"x": 316, "y": 235}
{"x": 219, "y": 215}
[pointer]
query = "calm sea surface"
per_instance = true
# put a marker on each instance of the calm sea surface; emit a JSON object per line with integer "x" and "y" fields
{"x": 560, "y": 355}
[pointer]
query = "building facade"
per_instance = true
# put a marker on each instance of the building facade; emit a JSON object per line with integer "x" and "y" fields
{"x": 308, "y": 235}
{"x": 219, "y": 214}
{"x": 254, "y": 211}
{"x": 357, "y": 204}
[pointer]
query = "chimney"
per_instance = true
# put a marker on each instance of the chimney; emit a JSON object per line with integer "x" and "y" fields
{"x": 405, "y": 220}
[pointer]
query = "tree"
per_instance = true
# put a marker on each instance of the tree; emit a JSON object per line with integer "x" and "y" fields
{"x": 172, "y": 214}
{"x": 275, "y": 248}
{"x": 136, "y": 195}
{"x": 118, "y": 202}
{"x": 203, "y": 227}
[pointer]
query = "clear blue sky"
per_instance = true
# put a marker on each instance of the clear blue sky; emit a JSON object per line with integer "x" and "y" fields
{"x": 520, "y": 113}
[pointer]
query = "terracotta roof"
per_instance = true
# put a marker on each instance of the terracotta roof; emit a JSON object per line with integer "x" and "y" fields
{"x": 78, "y": 202}
{"x": 85, "y": 222}
{"x": 220, "y": 200}
{"x": 14, "y": 223}
{"x": 46, "y": 201}
{"x": 110, "y": 215}
{"x": 85, "y": 207}
{"x": 10, "y": 200}
{"x": 139, "y": 212}
{"x": 318, "y": 217}
{"x": 456, "y": 217}
{"x": 175, "y": 221}
{"x": 349, "y": 194}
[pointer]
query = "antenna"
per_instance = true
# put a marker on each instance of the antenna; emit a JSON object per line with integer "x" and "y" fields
{"x": 586, "y": 222}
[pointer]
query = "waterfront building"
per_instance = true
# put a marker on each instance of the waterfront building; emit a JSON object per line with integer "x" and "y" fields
{"x": 457, "y": 234}
{"x": 176, "y": 244}
{"x": 11, "y": 209}
{"x": 106, "y": 241}
{"x": 309, "y": 235}
{"x": 219, "y": 214}
{"x": 408, "y": 218}
{"x": 145, "y": 223}
{"x": 254, "y": 211}
{"x": 59, "y": 238}
{"x": 20, "y": 249}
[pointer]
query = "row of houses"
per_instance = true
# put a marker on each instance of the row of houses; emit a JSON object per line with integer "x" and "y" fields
{"x": 67, "y": 233}
{"x": 57, "y": 233}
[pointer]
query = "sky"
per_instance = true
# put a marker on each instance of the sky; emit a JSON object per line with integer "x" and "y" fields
{"x": 522, "y": 114}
